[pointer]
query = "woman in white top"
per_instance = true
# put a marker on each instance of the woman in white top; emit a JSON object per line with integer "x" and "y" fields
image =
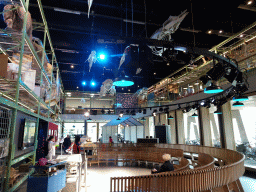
{"x": 51, "y": 148}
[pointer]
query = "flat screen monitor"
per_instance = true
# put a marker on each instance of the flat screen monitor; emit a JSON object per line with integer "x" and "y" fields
{"x": 27, "y": 134}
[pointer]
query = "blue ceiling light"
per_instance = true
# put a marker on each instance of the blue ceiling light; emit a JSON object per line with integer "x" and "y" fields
{"x": 143, "y": 119}
{"x": 240, "y": 98}
{"x": 238, "y": 104}
{"x": 194, "y": 115}
{"x": 93, "y": 83}
{"x": 89, "y": 119}
{"x": 123, "y": 82}
{"x": 83, "y": 83}
{"x": 213, "y": 89}
{"x": 102, "y": 56}
{"x": 170, "y": 117}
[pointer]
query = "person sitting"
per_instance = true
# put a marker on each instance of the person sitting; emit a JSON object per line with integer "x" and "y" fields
{"x": 66, "y": 143}
{"x": 167, "y": 165}
{"x": 76, "y": 146}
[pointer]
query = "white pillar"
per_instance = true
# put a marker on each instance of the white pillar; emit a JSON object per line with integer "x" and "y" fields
{"x": 172, "y": 127}
{"x": 214, "y": 127}
{"x": 206, "y": 126}
{"x": 180, "y": 127}
{"x": 228, "y": 127}
{"x": 236, "y": 114}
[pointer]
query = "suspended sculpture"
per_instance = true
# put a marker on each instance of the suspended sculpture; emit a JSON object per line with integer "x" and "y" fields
{"x": 164, "y": 33}
{"x": 141, "y": 94}
{"x": 107, "y": 88}
{"x": 92, "y": 59}
{"x": 14, "y": 16}
{"x": 89, "y": 6}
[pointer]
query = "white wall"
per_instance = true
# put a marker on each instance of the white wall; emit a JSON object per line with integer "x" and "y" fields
{"x": 94, "y": 103}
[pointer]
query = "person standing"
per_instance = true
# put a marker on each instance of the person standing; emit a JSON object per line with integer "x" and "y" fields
{"x": 66, "y": 143}
{"x": 51, "y": 148}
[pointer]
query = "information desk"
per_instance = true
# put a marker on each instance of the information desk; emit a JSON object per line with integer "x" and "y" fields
{"x": 47, "y": 182}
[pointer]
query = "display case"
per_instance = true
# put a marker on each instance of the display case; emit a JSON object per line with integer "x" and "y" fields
{"x": 49, "y": 178}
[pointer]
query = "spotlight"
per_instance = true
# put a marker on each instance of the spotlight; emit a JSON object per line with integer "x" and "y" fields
{"x": 240, "y": 98}
{"x": 194, "y": 115}
{"x": 93, "y": 83}
{"x": 72, "y": 66}
{"x": 83, "y": 83}
{"x": 102, "y": 56}
{"x": 154, "y": 113}
{"x": 170, "y": 117}
{"x": 213, "y": 89}
{"x": 218, "y": 111}
{"x": 249, "y": 2}
{"x": 86, "y": 114}
{"x": 121, "y": 114}
{"x": 210, "y": 31}
{"x": 143, "y": 119}
{"x": 144, "y": 111}
{"x": 238, "y": 104}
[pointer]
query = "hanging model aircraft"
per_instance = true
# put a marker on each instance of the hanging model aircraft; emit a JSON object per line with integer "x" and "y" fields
{"x": 164, "y": 33}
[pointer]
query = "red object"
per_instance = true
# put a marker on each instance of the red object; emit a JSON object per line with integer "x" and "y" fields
{"x": 110, "y": 140}
{"x": 75, "y": 149}
{"x": 53, "y": 130}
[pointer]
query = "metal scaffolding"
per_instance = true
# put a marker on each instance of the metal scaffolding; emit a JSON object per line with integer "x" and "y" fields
{"x": 18, "y": 96}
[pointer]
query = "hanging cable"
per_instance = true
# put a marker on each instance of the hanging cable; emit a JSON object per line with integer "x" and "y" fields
{"x": 145, "y": 18}
{"x": 126, "y": 18}
{"x": 192, "y": 15}
{"x": 132, "y": 16}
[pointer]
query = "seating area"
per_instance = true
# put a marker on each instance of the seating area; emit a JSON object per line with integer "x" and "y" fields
{"x": 205, "y": 176}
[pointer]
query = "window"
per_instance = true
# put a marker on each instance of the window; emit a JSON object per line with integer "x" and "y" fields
{"x": 191, "y": 128}
{"x": 214, "y": 122}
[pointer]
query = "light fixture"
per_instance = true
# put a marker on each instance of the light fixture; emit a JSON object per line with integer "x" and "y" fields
{"x": 83, "y": 83}
{"x": 72, "y": 66}
{"x": 77, "y": 87}
{"x": 109, "y": 112}
{"x": 86, "y": 114}
{"x": 121, "y": 114}
{"x": 209, "y": 32}
{"x": 143, "y": 119}
{"x": 144, "y": 111}
{"x": 240, "y": 98}
{"x": 249, "y": 2}
{"x": 220, "y": 31}
{"x": 118, "y": 119}
{"x": 154, "y": 113}
{"x": 194, "y": 115}
{"x": 218, "y": 111}
{"x": 93, "y": 83}
{"x": 238, "y": 104}
{"x": 170, "y": 117}
{"x": 133, "y": 112}
{"x": 213, "y": 89}
{"x": 154, "y": 73}
{"x": 102, "y": 56}
{"x": 241, "y": 35}
{"x": 89, "y": 119}
{"x": 123, "y": 81}
{"x": 102, "y": 111}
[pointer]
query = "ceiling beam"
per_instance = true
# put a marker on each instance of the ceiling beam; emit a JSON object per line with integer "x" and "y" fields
{"x": 246, "y": 7}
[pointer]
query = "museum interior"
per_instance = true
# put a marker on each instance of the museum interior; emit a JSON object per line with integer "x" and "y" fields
{"x": 134, "y": 95}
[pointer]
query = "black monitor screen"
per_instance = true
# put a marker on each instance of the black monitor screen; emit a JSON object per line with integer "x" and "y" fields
{"x": 27, "y": 136}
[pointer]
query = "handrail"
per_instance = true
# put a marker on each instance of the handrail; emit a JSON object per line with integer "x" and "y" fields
{"x": 187, "y": 180}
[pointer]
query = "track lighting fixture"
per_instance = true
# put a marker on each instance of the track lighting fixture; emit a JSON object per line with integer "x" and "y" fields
{"x": 238, "y": 104}
{"x": 240, "y": 98}
{"x": 143, "y": 119}
{"x": 194, "y": 115}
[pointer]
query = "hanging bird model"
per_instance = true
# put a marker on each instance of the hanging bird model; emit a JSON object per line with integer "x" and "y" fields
{"x": 89, "y": 6}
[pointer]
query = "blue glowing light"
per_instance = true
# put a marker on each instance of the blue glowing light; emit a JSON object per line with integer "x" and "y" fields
{"x": 217, "y": 112}
{"x": 212, "y": 91}
{"x": 102, "y": 56}
{"x": 93, "y": 83}
{"x": 238, "y": 104}
{"x": 123, "y": 83}
{"x": 242, "y": 98}
{"x": 83, "y": 83}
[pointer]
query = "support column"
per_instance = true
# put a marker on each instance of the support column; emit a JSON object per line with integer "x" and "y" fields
{"x": 205, "y": 127}
{"x": 171, "y": 122}
{"x": 180, "y": 135}
{"x": 236, "y": 114}
{"x": 226, "y": 129}
{"x": 98, "y": 128}
{"x": 146, "y": 127}
{"x": 214, "y": 127}
{"x": 85, "y": 127}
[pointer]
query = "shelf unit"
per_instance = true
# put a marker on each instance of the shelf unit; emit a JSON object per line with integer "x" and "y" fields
{"x": 16, "y": 95}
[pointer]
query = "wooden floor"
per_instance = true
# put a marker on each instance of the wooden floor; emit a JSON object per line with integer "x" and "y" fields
{"x": 98, "y": 178}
